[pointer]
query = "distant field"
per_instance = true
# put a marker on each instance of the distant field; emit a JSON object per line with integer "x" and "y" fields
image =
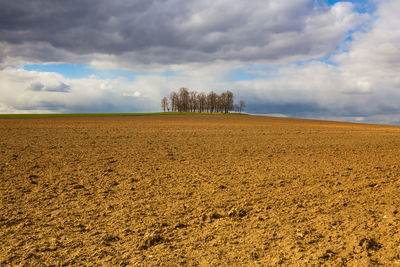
{"x": 167, "y": 190}
{"x": 9, "y": 116}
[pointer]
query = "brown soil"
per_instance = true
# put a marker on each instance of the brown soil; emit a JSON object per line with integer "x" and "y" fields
{"x": 198, "y": 190}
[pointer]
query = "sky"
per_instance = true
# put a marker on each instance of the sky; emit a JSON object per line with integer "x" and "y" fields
{"x": 320, "y": 59}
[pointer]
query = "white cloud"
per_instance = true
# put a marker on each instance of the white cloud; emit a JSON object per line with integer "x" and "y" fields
{"x": 134, "y": 94}
{"x": 22, "y": 91}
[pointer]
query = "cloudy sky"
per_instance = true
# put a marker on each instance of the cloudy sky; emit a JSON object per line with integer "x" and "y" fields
{"x": 322, "y": 59}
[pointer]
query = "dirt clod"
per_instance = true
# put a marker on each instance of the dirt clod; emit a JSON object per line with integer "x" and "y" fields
{"x": 151, "y": 239}
{"x": 370, "y": 244}
{"x": 237, "y": 212}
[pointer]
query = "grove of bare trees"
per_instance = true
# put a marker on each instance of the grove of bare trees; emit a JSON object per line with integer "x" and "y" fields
{"x": 192, "y": 101}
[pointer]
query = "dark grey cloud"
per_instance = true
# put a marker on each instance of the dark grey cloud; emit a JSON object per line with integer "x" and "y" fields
{"x": 313, "y": 109}
{"x": 40, "y": 87}
{"x": 61, "y": 87}
{"x": 37, "y": 87}
{"x": 115, "y": 104}
{"x": 160, "y": 31}
{"x": 305, "y": 109}
{"x": 293, "y": 109}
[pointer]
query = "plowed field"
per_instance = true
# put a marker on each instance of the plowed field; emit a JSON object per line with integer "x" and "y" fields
{"x": 198, "y": 190}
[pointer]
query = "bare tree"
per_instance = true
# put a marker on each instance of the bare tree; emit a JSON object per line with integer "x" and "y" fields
{"x": 202, "y": 101}
{"x": 212, "y": 101}
{"x": 164, "y": 104}
{"x": 174, "y": 98}
{"x": 183, "y": 100}
{"x": 193, "y": 103}
{"x": 228, "y": 101}
{"x": 242, "y": 105}
{"x": 219, "y": 107}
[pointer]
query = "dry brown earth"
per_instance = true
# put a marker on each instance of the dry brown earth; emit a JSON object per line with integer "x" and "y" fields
{"x": 198, "y": 191}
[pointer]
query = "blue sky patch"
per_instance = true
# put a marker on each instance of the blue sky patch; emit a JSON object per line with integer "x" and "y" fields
{"x": 82, "y": 71}
{"x": 70, "y": 71}
{"x": 236, "y": 75}
{"x": 361, "y": 6}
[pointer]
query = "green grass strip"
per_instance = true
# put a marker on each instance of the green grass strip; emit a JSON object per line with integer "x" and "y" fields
{"x": 16, "y": 116}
